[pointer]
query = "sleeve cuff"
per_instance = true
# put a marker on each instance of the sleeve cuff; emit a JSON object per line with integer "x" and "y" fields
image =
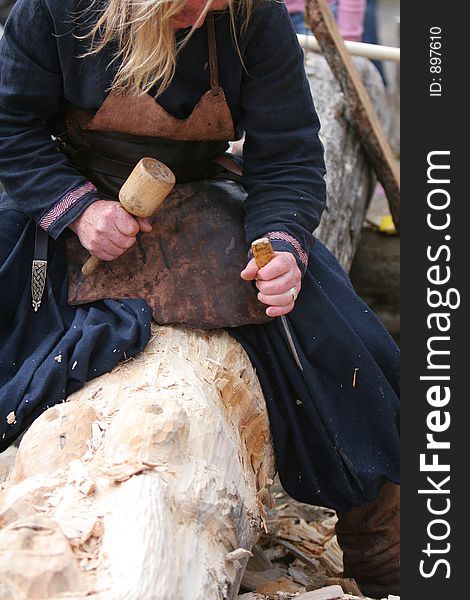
{"x": 69, "y": 207}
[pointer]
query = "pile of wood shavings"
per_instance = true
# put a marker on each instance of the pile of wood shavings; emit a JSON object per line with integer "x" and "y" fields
{"x": 299, "y": 558}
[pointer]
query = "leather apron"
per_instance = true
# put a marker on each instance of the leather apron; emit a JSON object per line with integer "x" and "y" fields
{"x": 188, "y": 268}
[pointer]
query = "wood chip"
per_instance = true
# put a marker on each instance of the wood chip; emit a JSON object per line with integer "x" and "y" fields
{"x": 254, "y": 579}
{"x": 355, "y": 377}
{"x": 331, "y": 592}
{"x": 332, "y": 558}
{"x": 259, "y": 560}
{"x": 238, "y": 554}
{"x": 295, "y": 551}
{"x": 79, "y": 475}
{"x": 281, "y": 586}
{"x": 299, "y": 576}
{"x": 89, "y": 565}
{"x": 123, "y": 471}
{"x": 54, "y": 499}
{"x": 349, "y": 585}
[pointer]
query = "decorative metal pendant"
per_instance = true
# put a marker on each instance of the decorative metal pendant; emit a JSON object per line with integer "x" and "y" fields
{"x": 38, "y": 282}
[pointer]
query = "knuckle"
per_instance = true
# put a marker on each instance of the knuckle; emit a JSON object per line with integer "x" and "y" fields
{"x": 129, "y": 241}
{"x": 283, "y": 263}
{"x": 94, "y": 245}
{"x": 289, "y": 259}
{"x": 294, "y": 282}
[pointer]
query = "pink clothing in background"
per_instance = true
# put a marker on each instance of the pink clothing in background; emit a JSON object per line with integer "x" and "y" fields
{"x": 295, "y": 6}
{"x": 349, "y": 15}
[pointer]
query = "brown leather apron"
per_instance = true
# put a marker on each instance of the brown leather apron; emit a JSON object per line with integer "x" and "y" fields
{"x": 188, "y": 268}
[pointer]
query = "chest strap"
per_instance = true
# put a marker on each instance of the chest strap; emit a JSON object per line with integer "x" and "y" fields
{"x": 213, "y": 66}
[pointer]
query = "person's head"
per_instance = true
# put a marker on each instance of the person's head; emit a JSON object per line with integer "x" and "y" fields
{"x": 192, "y": 12}
{"x": 145, "y": 34}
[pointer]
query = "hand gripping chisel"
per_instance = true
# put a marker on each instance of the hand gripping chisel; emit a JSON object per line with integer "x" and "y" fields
{"x": 263, "y": 252}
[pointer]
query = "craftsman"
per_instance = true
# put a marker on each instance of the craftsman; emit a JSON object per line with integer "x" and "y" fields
{"x": 335, "y": 422}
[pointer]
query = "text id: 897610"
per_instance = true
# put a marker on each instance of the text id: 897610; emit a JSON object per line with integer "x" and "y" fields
{"x": 435, "y": 61}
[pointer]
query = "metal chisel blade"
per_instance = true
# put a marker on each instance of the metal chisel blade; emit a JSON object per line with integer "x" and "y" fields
{"x": 290, "y": 341}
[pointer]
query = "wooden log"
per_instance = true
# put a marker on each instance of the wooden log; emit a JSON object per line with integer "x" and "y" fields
{"x": 369, "y": 130}
{"x": 149, "y": 482}
{"x": 151, "y": 476}
{"x": 349, "y": 180}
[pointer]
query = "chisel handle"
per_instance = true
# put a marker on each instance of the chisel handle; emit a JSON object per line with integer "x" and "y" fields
{"x": 262, "y": 251}
{"x": 90, "y": 266}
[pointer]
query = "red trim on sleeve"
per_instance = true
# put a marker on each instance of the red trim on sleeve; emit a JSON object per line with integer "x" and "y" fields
{"x": 65, "y": 203}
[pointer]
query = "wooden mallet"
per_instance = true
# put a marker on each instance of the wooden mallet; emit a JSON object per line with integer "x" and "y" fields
{"x": 141, "y": 195}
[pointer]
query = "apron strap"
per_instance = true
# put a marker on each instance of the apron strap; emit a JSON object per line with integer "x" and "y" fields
{"x": 213, "y": 67}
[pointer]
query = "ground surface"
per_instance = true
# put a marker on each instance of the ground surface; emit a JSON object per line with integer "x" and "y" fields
{"x": 298, "y": 557}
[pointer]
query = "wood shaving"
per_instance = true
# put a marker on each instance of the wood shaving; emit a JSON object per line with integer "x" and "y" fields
{"x": 355, "y": 377}
{"x": 89, "y": 565}
{"x": 238, "y": 554}
{"x": 123, "y": 471}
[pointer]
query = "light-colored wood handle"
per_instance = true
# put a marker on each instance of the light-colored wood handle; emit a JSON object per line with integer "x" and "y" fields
{"x": 141, "y": 194}
{"x": 262, "y": 251}
{"x": 146, "y": 187}
{"x": 90, "y": 266}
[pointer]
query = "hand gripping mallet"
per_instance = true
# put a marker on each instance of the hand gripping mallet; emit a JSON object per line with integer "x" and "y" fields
{"x": 141, "y": 195}
{"x": 263, "y": 253}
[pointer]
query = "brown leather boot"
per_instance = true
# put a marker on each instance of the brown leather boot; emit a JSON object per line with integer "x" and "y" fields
{"x": 369, "y": 536}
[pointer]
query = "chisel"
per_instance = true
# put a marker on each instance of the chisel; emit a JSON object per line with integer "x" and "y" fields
{"x": 263, "y": 252}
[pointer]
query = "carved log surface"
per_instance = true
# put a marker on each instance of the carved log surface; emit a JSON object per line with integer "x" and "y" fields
{"x": 150, "y": 475}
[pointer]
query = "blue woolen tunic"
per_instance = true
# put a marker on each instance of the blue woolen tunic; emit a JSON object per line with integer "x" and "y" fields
{"x": 336, "y": 443}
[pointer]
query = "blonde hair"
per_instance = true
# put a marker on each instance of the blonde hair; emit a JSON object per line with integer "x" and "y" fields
{"x": 146, "y": 47}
